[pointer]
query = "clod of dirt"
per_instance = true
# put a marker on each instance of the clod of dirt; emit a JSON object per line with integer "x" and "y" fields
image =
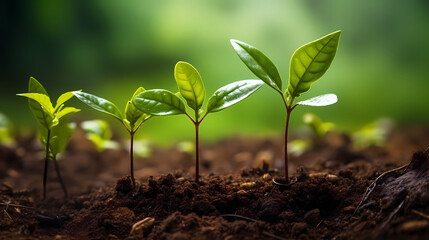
{"x": 124, "y": 185}
{"x": 312, "y": 217}
{"x": 298, "y": 228}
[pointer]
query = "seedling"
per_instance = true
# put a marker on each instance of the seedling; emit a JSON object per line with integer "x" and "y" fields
{"x": 5, "y": 130}
{"x": 307, "y": 65}
{"x": 99, "y": 133}
{"x": 161, "y": 102}
{"x": 319, "y": 127}
{"x": 55, "y": 129}
{"x": 132, "y": 120}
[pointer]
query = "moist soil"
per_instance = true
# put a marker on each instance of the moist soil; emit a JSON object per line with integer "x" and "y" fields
{"x": 341, "y": 192}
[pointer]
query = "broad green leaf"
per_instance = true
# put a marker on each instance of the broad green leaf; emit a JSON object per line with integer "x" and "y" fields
{"x": 132, "y": 114}
{"x": 258, "y": 63}
{"x": 190, "y": 84}
{"x": 66, "y": 111}
{"x": 64, "y": 98}
{"x": 99, "y": 104}
{"x": 322, "y": 100}
{"x": 232, "y": 94}
{"x": 41, "y": 116}
{"x": 309, "y": 63}
{"x": 159, "y": 102}
{"x": 42, "y": 99}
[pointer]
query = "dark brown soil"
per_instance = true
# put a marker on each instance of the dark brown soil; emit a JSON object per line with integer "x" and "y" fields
{"x": 235, "y": 198}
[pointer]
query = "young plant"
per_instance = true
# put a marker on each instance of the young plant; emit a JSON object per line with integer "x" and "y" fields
{"x": 55, "y": 129}
{"x": 99, "y": 133}
{"x": 161, "y": 102}
{"x": 132, "y": 118}
{"x": 307, "y": 65}
{"x": 319, "y": 127}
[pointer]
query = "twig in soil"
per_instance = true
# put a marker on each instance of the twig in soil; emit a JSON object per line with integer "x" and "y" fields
{"x": 420, "y": 214}
{"x": 268, "y": 234}
{"x": 238, "y": 216}
{"x": 321, "y": 221}
{"x": 394, "y": 213}
{"x": 371, "y": 187}
{"x": 8, "y": 204}
{"x": 5, "y": 211}
{"x": 14, "y": 205}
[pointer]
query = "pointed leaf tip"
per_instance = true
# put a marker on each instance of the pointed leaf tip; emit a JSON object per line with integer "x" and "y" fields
{"x": 258, "y": 63}
{"x": 190, "y": 84}
{"x": 309, "y": 63}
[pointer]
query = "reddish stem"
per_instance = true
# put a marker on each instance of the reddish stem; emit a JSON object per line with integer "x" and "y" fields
{"x": 132, "y": 159}
{"x": 285, "y": 144}
{"x": 197, "y": 157}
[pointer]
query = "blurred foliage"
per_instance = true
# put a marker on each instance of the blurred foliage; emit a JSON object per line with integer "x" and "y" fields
{"x": 109, "y": 48}
{"x": 99, "y": 133}
{"x": 373, "y": 134}
{"x": 318, "y": 127}
{"x": 6, "y": 135}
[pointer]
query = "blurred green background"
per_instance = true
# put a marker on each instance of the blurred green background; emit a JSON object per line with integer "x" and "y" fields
{"x": 109, "y": 48}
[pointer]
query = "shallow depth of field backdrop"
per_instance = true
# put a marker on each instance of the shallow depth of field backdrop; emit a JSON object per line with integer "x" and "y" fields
{"x": 109, "y": 48}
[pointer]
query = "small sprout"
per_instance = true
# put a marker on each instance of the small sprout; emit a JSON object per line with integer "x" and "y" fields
{"x": 373, "y": 134}
{"x": 142, "y": 148}
{"x": 5, "y": 130}
{"x": 132, "y": 118}
{"x": 307, "y": 65}
{"x": 316, "y": 124}
{"x": 298, "y": 146}
{"x": 55, "y": 129}
{"x": 186, "y": 147}
{"x": 98, "y": 132}
{"x": 161, "y": 102}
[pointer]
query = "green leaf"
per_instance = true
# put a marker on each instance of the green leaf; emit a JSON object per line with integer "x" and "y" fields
{"x": 41, "y": 116}
{"x": 132, "y": 114}
{"x": 232, "y": 94}
{"x": 99, "y": 104}
{"x": 322, "y": 100}
{"x": 60, "y": 135}
{"x": 258, "y": 63}
{"x": 66, "y": 111}
{"x": 190, "y": 84}
{"x": 309, "y": 63}
{"x": 159, "y": 102}
{"x": 42, "y": 99}
{"x": 64, "y": 98}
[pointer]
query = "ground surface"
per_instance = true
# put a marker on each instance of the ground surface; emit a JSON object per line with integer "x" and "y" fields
{"x": 235, "y": 198}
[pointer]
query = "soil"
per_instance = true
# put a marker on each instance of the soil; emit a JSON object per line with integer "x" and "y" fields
{"x": 341, "y": 192}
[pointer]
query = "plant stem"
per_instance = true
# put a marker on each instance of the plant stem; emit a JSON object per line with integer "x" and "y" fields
{"x": 288, "y": 111}
{"x": 132, "y": 159}
{"x": 197, "y": 161}
{"x": 45, "y": 173}
{"x": 60, "y": 178}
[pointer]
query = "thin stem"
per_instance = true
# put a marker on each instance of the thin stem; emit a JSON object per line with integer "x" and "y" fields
{"x": 285, "y": 145}
{"x": 60, "y": 178}
{"x": 45, "y": 173}
{"x": 132, "y": 159}
{"x": 197, "y": 157}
